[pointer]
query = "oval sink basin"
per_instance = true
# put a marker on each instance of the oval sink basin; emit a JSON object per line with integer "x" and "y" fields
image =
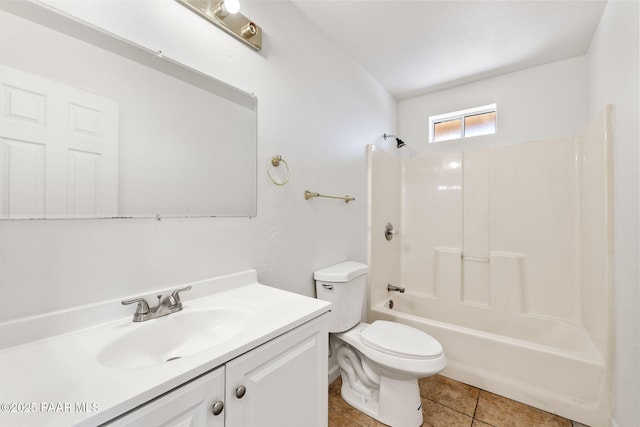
{"x": 172, "y": 337}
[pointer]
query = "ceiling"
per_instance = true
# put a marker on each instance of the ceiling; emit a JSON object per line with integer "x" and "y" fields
{"x": 416, "y": 47}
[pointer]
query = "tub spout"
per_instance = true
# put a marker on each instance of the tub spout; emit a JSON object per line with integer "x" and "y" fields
{"x": 391, "y": 288}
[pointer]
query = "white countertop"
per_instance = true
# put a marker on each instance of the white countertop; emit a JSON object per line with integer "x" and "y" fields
{"x": 59, "y": 381}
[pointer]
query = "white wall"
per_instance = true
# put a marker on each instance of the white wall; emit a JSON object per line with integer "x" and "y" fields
{"x": 545, "y": 102}
{"x": 316, "y": 107}
{"x": 613, "y": 79}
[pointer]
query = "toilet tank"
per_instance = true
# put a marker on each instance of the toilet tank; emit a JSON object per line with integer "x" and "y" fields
{"x": 344, "y": 286}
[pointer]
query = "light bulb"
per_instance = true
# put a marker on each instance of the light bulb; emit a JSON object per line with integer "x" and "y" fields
{"x": 232, "y": 6}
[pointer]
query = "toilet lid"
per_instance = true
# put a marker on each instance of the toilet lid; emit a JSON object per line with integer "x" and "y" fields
{"x": 400, "y": 340}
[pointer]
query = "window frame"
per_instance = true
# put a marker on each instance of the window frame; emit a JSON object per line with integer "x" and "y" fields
{"x": 460, "y": 115}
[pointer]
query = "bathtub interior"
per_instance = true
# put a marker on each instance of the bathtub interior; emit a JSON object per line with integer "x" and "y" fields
{"x": 506, "y": 245}
{"x": 571, "y": 383}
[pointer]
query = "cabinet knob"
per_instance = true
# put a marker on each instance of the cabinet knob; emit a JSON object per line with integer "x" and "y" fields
{"x": 241, "y": 391}
{"x": 217, "y": 407}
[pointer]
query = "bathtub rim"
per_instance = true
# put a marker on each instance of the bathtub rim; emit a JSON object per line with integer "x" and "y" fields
{"x": 592, "y": 355}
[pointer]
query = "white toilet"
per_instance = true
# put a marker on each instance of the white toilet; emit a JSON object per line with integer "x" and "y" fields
{"x": 380, "y": 363}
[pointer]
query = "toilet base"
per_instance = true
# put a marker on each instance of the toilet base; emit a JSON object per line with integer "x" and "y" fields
{"x": 397, "y": 402}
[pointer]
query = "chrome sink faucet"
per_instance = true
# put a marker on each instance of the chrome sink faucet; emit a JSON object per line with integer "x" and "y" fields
{"x": 170, "y": 304}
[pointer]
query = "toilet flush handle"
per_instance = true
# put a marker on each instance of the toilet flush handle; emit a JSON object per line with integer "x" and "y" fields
{"x": 327, "y": 287}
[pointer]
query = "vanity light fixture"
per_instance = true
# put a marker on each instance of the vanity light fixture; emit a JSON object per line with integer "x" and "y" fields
{"x": 225, "y": 14}
{"x": 226, "y": 8}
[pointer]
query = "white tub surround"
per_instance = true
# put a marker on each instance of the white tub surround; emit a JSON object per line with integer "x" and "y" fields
{"x": 66, "y": 378}
{"x": 505, "y": 254}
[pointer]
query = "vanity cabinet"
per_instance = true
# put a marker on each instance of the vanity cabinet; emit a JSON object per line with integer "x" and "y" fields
{"x": 281, "y": 383}
{"x": 187, "y": 406}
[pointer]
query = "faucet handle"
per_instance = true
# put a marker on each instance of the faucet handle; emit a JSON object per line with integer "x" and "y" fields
{"x": 391, "y": 288}
{"x": 176, "y": 294}
{"x": 141, "y": 309}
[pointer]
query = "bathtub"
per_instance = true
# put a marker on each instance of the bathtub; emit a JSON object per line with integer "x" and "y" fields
{"x": 547, "y": 364}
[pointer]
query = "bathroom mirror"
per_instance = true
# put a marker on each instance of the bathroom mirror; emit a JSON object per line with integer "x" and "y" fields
{"x": 92, "y": 126}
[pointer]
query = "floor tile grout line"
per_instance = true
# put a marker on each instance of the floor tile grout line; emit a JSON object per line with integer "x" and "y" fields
{"x": 475, "y": 409}
{"x": 448, "y": 407}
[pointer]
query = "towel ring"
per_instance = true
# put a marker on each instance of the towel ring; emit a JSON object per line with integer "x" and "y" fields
{"x": 275, "y": 161}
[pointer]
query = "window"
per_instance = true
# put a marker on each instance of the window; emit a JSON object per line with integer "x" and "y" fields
{"x": 463, "y": 124}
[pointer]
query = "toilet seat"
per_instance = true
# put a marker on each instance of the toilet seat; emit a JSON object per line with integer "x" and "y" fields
{"x": 400, "y": 340}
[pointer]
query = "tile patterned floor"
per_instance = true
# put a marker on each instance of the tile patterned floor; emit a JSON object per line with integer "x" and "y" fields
{"x": 446, "y": 402}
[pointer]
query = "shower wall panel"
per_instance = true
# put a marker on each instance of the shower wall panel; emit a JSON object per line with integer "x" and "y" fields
{"x": 384, "y": 207}
{"x": 431, "y": 222}
{"x": 534, "y": 212}
{"x": 596, "y": 232}
{"x": 497, "y": 228}
{"x": 476, "y": 281}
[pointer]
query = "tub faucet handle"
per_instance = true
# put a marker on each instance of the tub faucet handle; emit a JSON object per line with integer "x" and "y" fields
{"x": 389, "y": 231}
{"x": 391, "y": 288}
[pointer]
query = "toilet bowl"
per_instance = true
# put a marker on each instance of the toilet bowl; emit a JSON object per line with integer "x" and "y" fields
{"x": 380, "y": 363}
{"x": 396, "y": 350}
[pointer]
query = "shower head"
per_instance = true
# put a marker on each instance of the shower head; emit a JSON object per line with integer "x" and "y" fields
{"x": 399, "y": 143}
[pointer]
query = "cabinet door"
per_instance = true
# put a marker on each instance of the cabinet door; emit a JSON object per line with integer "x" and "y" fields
{"x": 284, "y": 380}
{"x": 188, "y": 406}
